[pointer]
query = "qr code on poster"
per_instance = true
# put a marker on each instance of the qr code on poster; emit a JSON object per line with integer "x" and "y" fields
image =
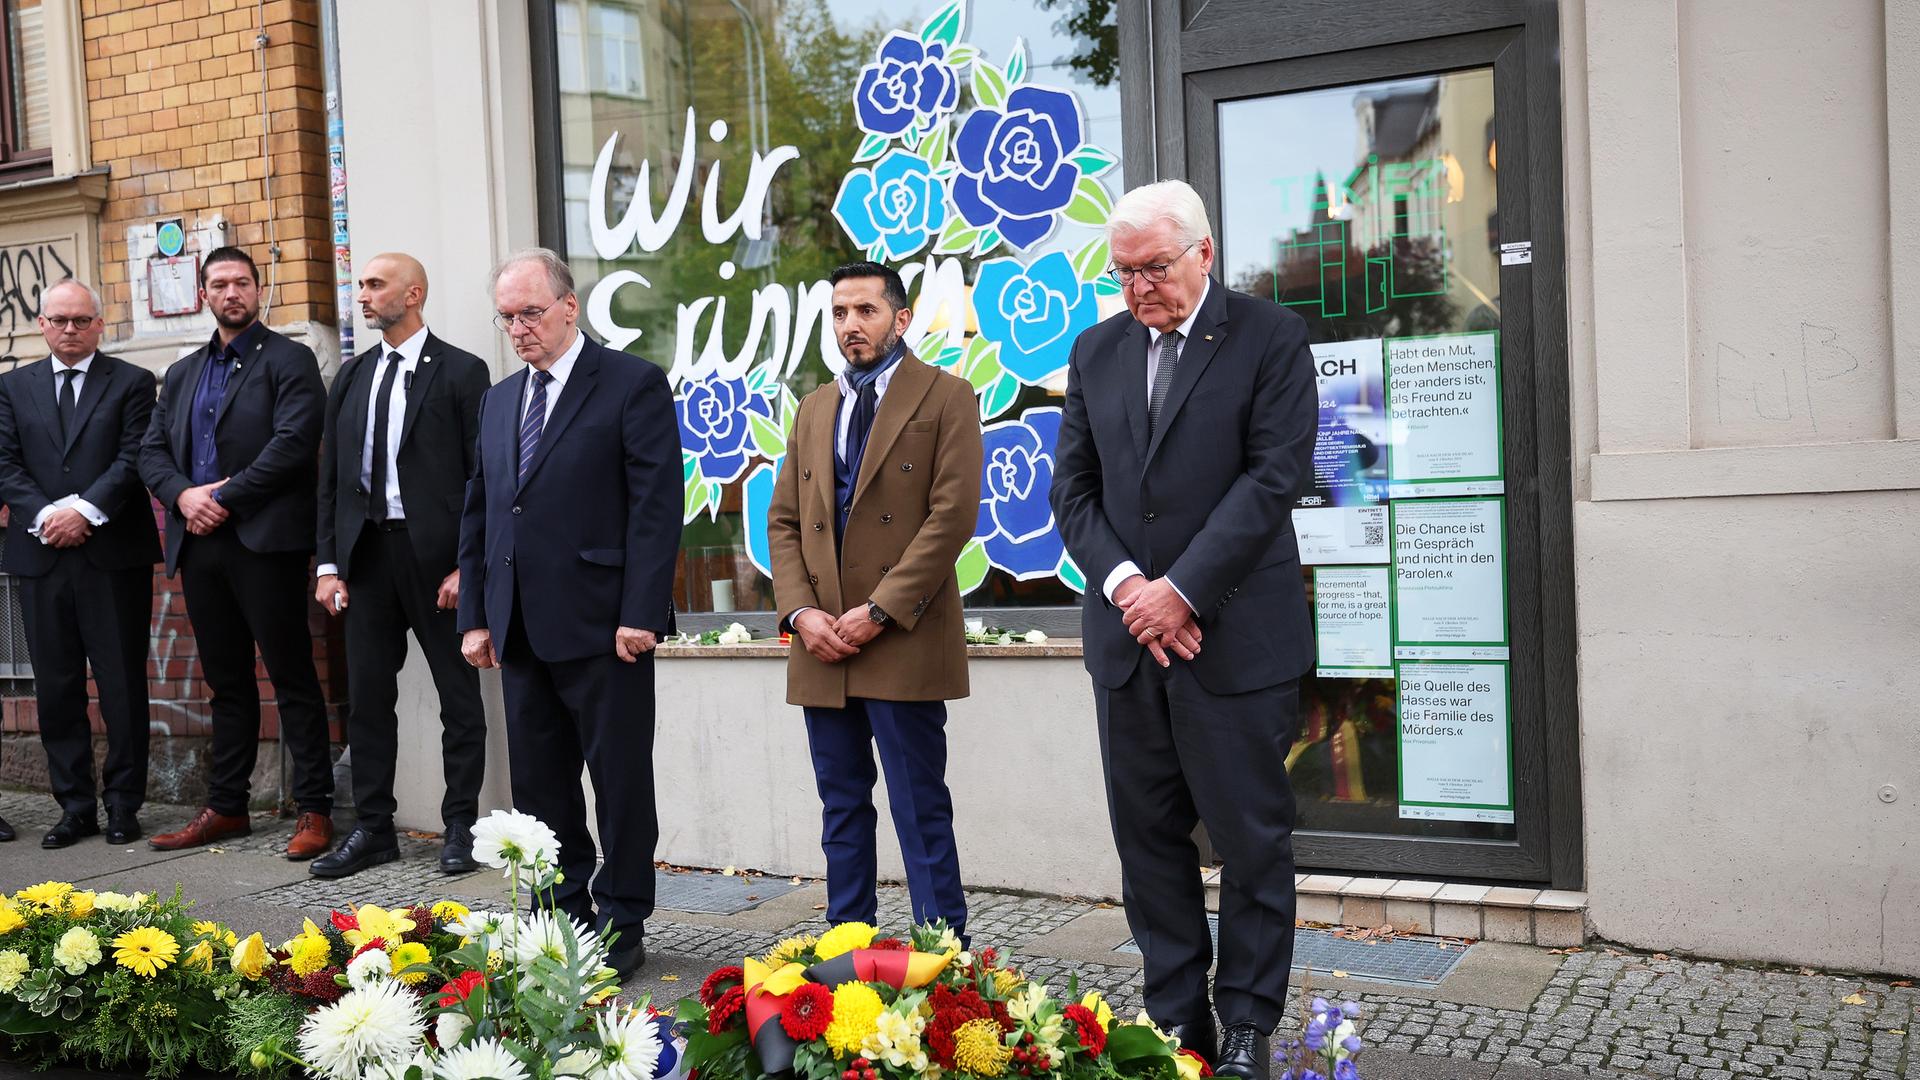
{"x": 1373, "y": 535}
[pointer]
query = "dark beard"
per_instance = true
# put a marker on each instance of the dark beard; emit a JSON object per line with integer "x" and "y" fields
{"x": 887, "y": 345}
{"x": 227, "y": 324}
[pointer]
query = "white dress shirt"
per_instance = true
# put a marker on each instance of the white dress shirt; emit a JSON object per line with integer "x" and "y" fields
{"x": 560, "y": 369}
{"x": 1129, "y": 568}
{"x": 845, "y": 422}
{"x": 409, "y": 351}
{"x": 72, "y": 501}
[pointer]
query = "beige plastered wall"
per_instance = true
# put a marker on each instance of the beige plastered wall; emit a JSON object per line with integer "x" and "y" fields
{"x": 1744, "y": 249}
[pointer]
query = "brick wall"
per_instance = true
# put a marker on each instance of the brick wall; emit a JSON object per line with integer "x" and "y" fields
{"x": 175, "y": 114}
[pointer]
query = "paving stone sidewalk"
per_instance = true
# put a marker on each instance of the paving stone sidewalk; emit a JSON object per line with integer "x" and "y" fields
{"x": 1602, "y": 1012}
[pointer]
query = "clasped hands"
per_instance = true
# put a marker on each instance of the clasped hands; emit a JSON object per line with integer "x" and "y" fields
{"x": 201, "y": 510}
{"x": 832, "y": 640}
{"x": 1158, "y": 618}
{"x": 65, "y": 528}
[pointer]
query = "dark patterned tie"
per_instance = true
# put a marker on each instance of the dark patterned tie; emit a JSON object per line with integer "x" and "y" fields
{"x": 382, "y": 402}
{"x": 1163, "y": 377}
{"x": 536, "y": 420}
{"x": 67, "y": 402}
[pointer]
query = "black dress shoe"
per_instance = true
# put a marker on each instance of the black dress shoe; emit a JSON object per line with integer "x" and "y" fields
{"x": 123, "y": 827}
{"x": 456, "y": 855}
{"x": 1199, "y": 1037}
{"x": 627, "y": 958}
{"x": 70, "y": 829}
{"x": 361, "y": 849}
{"x": 6, "y": 831}
{"x": 1247, "y": 1054}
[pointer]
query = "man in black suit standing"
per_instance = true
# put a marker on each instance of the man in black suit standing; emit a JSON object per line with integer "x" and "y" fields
{"x": 567, "y": 551}
{"x": 1188, "y": 432}
{"x": 230, "y": 454}
{"x": 80, "y": 537}
{"x": 396, "y": 451}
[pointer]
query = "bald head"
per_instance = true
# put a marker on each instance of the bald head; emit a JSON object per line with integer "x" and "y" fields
{"x": 393, "y": 290}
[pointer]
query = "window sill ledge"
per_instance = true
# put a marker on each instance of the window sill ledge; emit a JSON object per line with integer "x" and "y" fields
{"x": 773, "y": 650}
{"x": 1884, "y": 465}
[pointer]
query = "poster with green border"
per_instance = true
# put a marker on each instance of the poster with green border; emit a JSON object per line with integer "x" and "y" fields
{"x": 1353, "y": 629}
{"x": 1444, "y": 411}
{"x": 1449, "y": 598}
{"x": 1455, "y": 741}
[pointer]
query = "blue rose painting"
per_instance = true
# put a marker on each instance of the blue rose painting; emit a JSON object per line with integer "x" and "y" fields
{"x": 1016, "y": 172}
{"x": 714, "y": 426}
{"x": 910, "y": 83}
{"x": 1034, "y": 312}
{"x": 1016, "y": 521}
{"x": 898, "y": 205}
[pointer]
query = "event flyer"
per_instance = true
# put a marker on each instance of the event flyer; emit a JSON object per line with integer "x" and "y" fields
{"x": 1339, "y": 520}
{"x": 1456, "y": 760}
{"x": 1351, "y": 623}
{"x": 1443, "y": 395}
{"x": 1449, "y": 576}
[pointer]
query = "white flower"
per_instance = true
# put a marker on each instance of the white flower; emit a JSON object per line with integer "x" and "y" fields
{"x": 369, "y": 967}
{"x": 976, "y": 626}
{"x": 506, "y": 837}
{"x": 77, "y": 950}
{"x": 449, "y": 1028}
{"x": 1035, "y": 637}
{"x": 545, "y": 933}
{"x": 578, "y": 1063}
{"x": 479, "y": 925}
{"x": 14, "y": 966}
{"x": 735, "y": 634}
{"x": 896, "y": 1041}
{"x": 113, "y": 901}
{"x": 398, "y": 1070}
{"x": 374, "y": 1025}
{"x": 1003, "y": 639}
{"x": 486, "y": 1059}
{"x": 629, "y": 1045}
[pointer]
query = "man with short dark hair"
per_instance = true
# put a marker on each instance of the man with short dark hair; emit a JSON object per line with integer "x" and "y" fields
{"x": 80, "y": 538}
{"x": 230, "y": 453}
{"x": 879, "y": 492}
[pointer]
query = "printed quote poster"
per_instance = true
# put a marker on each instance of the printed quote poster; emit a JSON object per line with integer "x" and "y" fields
{"x": 1341, "y": 519}
{"x": 1454, "y": 743}
{"x": 1444, "y": 404}
{"x": 1352, "y": 625}
{"x": 1449, "y": 576}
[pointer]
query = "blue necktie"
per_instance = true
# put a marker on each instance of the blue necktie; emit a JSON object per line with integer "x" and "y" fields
{"x": 535, "y": 421}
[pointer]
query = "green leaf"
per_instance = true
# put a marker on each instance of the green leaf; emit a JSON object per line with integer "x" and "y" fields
{"x": 933, "y": 148}
{"x": 956, "y": 238}
{"x": 696, "y": 501}
{"x": 930, "y": 346}
{"x": 689, "y": 468}
{"x": 948, "y": 357}
{"x": 972, "y": 566}
{"x": 1091, "y": 204}
{"x": 911, "y": 137}
{"x": 982, "y": 367}
{"x": 871, "y": 147}
{"x": 1093, "y": 160}
{"x": 998, "y": 397}
{"x": 1017, "y": 62}
{"x": 1106, "y": 286}
{"x": 1090, "y": 262}
{"x": 713, "y": 501}
{"x": 989, "y": 239}
{"x": 768, "y": 439}
{"x": 1129, "y": 1042}
{"x": 1070, "y": 573}
{"x": 945, "y": 25}
{"x": 989, "y": 86}
{"x": 961, "y": 55}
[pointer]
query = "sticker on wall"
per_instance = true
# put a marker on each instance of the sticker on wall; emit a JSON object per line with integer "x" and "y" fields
{"x": 1456, "y": 754}
{"x": 1443, "y": 395}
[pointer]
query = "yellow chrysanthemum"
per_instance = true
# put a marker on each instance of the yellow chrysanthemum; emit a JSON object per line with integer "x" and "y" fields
{"x": 856, "y": 1013}
{"x": 979, "y": 1049}
{"x": 844, "y": 938}
{"x": 1005, "y": 982}
{"x": 449, "y": 910}
{"x": 407, "y": 955}
{"x": 790, "y": 950}
{"x": 10, "y": 920}
{"x": 200, "y": 957}
{"x": 250, "y": 957}
{"x": 14, "y": 966}
{"x": 80, "y": 904}
{"x": 47, "y": 896}
{"x": 145, "y": 950}
{"x": 308, "y": 953}
{"x": 1096, "y": 1003}
{"x": 377, "y": 922}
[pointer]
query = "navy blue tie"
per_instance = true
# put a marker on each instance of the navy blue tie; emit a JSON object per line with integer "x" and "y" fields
{"x": 535, "y": 421}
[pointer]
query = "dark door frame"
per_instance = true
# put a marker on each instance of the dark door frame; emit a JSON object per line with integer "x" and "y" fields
{"x": 1183, "y": 57}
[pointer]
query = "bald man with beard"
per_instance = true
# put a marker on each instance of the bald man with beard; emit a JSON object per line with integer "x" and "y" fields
{"x": 396, "y": 452}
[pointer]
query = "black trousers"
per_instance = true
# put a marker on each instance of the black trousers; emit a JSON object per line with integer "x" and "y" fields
{"x": 596, "y": 713}
{"x": 1175, "y": 754}
{"x": 237, "y": 598}
{"x": 78, "y": 614}
{"x": 389, "y": 595}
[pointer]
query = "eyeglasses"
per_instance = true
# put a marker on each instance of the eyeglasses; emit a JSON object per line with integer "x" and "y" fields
{"x": 1155, "y": 273}
{"x": 527, "y": 319}
{"x": 79, "y": 322}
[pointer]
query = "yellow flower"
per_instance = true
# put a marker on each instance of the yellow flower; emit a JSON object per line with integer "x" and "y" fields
{"x": 979, "y": 1049}
{"x": 1005, "y": 982}
{"x": 790, "y": 950}
{"x": 844, "y": 938}
{"x": 113, "y": 901}
{"x": 896, "y": 1041}
{"x": 308, "y": 953}
{"x": 377, "y": 922}
{"x": 449, "y": 910}
{"x": 47, "y": 896}
{"x": 612, "y": 979}
{"x": 856, "y": 1011}
{"x": 249, "y": 957}
{"x": 785, "y": 981}
{"x": 200, "y": 957}
{"x": 1187, "y": 1066}
{"x": 10, "y": 920}
{"x": 80, "y": 904}
{"x": 145, "y": 950}
{"x": 77, "y": 950}
{"x": 14, "y": 966}
{"x": 405, "y": 956}
{"x": 1095, "y": 1003}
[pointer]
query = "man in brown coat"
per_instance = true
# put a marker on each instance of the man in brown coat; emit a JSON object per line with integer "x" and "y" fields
{"x": 879, "y": 492}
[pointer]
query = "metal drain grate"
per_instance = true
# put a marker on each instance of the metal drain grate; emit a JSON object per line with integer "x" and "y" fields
{"x": 1406, "y": 961}
{"x": 715, "y": 894}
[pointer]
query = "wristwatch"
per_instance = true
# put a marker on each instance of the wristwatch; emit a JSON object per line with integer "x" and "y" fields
{"x": 880, "y": 618}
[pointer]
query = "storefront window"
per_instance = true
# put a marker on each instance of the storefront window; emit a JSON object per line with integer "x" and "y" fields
{"x": 1371, "y": 211}
{"x": 736, "y": 151}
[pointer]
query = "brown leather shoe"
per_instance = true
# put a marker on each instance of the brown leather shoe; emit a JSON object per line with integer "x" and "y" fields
{"x": 312, "y": 834}
{"x": 205, "y": 828}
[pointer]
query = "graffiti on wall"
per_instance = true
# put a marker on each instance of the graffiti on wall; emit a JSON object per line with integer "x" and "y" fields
{"x": 26, "y": 271}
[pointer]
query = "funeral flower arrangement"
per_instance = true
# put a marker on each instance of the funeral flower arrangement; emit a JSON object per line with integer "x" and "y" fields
{"x": 851, "y": 1004}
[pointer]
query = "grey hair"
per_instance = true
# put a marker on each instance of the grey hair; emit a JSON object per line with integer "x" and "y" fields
{"x": 559, "y": 274}
{"x": 1169, "y": 200}
{"x": 98, "y": 307}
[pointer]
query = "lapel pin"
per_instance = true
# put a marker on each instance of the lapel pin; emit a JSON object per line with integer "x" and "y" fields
{"x": 1209, "y": 337}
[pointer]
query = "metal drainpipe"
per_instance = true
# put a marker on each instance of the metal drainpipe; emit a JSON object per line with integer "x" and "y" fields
{"x": 337, "y": 176}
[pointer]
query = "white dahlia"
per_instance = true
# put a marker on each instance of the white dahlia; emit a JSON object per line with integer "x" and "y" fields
{"x": 373, "y": 1025}
{"x": 505, "y": 838}
{"x": 544, "y": 933}
{"x": 629, "y": 1045}
{"x": 486, "y": 1059}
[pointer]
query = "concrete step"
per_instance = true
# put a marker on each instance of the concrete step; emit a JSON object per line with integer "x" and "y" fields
{"x": 1553, "y": 918}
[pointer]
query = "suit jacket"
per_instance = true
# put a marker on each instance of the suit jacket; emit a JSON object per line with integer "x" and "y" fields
{"x": 98, "y": 460}
{"x": 266, "y": 438}
{"x": 915, "y": 505}
{"x": 439, "y": 436}
{"x": 1208, "y": 500}
{"x": 589, "y": 541}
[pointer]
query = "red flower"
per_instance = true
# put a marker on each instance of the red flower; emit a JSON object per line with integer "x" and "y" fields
{"x": 1002, "y": 1016}
{"x": 422, "y": 917}
{"x": 807, "y": 1012}
{"x": 372, "y": 943}
{"x": 890, "y": 944}
{"x": 719, "y": 981}
{"x": 1205, "y": 1069}
{"x": 1092, "y": 1038}
{"x": 320, "y": 985}
{"x": 730, "y": 1006}
{"x": 344, "y": 921}
{"x": 952, "y": 1008}
{"x": 457, "y": 989}
{"x": 986, "y": 956}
